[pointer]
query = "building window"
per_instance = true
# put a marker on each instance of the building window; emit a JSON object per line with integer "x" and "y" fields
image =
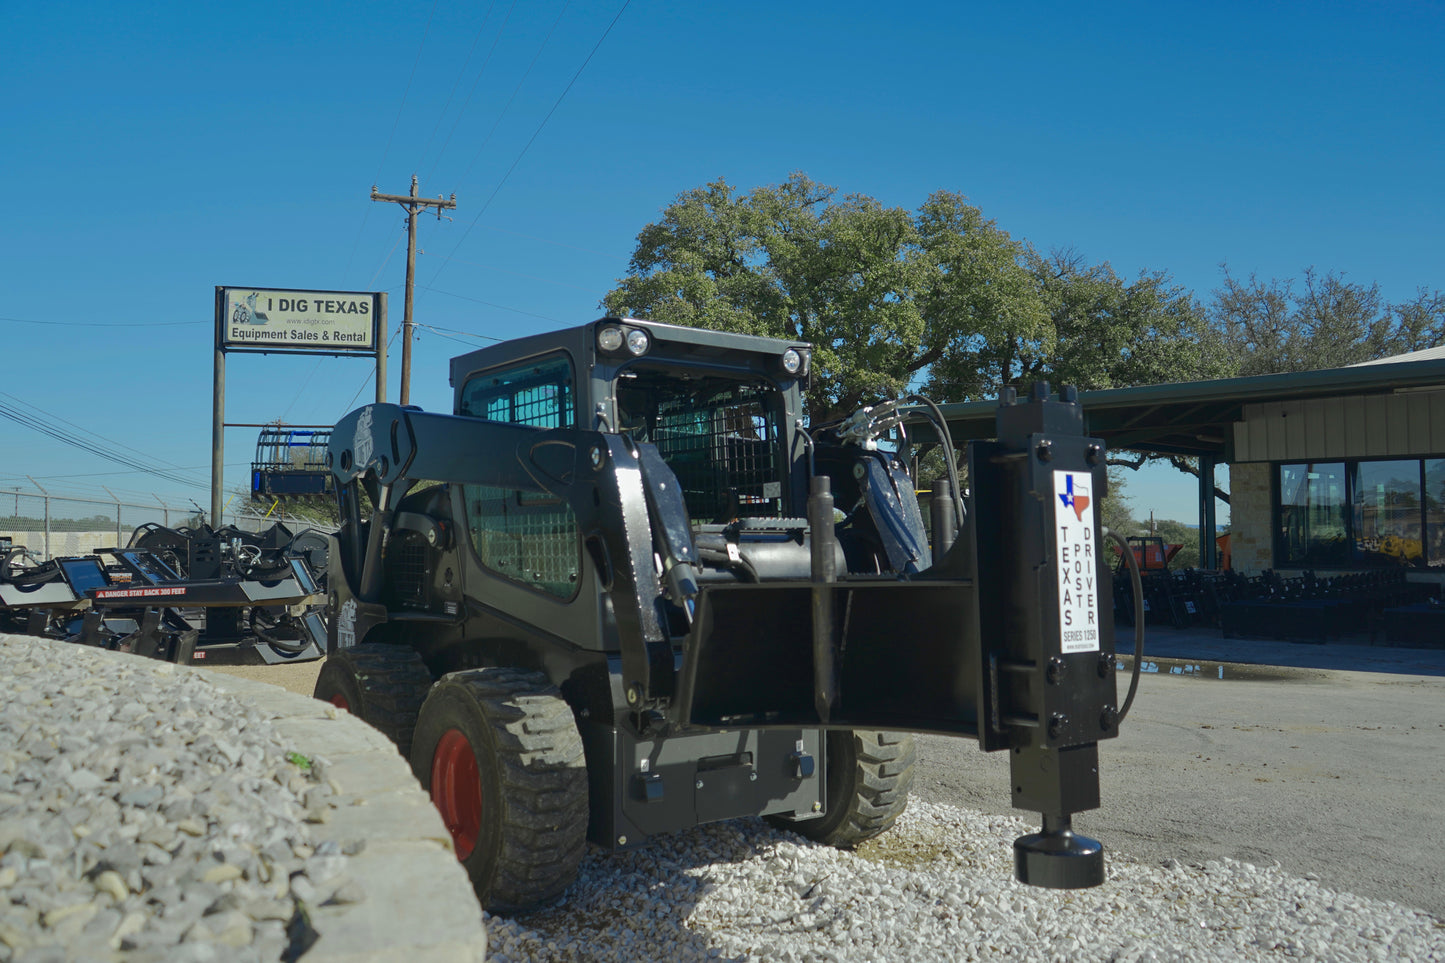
{"x": 529, "y": 537}
{"x": 1387, "y": 513}
{"x": 1312, "y": 517}
{"x": 1435, "y": 512}
{"x": 1361, "y": 514}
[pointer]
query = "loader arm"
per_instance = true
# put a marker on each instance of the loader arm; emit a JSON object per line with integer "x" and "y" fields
{"x": 619, "y": 491}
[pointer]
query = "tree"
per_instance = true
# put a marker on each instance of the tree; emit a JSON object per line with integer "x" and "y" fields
{"x": 883, "y": 294}
{"x": 1418, "y": 323}
{"x": 1114, "y": 510}
{"x": 1112, "y": 333}
{"x": 1269, "y": 327}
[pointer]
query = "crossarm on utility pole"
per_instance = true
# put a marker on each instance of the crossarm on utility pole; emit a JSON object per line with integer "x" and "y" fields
{"x": 411, "y": 203}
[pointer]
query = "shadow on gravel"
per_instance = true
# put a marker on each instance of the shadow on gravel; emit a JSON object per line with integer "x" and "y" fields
{"x": 650, "y": 892}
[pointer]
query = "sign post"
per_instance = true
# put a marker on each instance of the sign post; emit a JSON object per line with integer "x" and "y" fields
{"x": 289, "y": 321}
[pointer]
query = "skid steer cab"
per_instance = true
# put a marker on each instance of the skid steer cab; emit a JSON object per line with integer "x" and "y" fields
{"x": 623, "y": 590}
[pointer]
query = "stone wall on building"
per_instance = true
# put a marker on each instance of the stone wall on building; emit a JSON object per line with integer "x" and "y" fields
{"x": 1250, "y": 535}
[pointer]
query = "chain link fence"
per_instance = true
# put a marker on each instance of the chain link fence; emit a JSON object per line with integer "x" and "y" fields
{"x": 53, "y": 526}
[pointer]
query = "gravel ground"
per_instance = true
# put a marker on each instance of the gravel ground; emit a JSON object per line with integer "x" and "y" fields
{"x": 938, "y": 887}
{"x": 146, "y": 815}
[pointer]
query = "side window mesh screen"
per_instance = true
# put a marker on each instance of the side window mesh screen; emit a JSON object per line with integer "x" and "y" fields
{"x": 524, "y": 536}
{"x": 719, "y": 437}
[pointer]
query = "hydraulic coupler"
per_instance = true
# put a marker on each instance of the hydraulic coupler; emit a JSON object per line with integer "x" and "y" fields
{"x": 1045, "y": 620}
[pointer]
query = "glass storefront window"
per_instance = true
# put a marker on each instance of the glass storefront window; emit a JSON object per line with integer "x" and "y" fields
{"x": 1387, "y": 513}
{"x": 1435, "y": 512}
{"x": 1313, "y": 515}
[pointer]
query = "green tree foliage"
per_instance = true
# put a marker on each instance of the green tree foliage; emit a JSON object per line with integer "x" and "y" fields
{"x": 1418, "y": 323}
{"x": 35, "y": 523}
{"x": 1115, "y": 511}
{"x": 883, "y": 294}
{"x": 1268, "y": 327}
{"x": 1113, "y": 333}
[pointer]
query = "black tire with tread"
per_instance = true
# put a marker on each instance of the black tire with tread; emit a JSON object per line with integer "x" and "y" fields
{"x": 530, "y": 760}
{"x": 869, "y": 776}
{"x": 385, "y": 685}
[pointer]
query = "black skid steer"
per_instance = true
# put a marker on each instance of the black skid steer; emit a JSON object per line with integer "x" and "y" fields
{"x": 622, "y": 590}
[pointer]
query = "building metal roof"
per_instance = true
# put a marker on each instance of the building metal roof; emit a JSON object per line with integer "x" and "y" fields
{"x": 1195, "y": 417}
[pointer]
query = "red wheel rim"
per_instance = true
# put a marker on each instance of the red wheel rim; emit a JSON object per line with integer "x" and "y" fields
{"x": 339, "y": 701}
{"x": 456, "y": 789}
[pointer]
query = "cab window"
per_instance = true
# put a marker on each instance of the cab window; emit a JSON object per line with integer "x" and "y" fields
{"x": 526, "y": 537}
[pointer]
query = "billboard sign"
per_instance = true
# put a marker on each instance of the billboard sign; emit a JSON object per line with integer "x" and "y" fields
{"x": 283, "y": 319}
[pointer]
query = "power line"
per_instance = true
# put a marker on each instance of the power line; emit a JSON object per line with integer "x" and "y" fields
{"x": 401, "y": 108}
{"x": 515, "y": 90}
{"x": 406, "y": 93}
{"x": 101, "y": 439}
{"x": 305, "y": 382}
{"x": 29, "y": 421}
{"x": 442, "y": 332}
{"x": 499, "y": 307}
{"x": 535, "y": 133}
{"x": 105, "y": 324}
{"x": 515, "y": 274}
{"x": 369, "y": 378}
{"x": 387, "y": 261}
{"x": 461, "y": 112}
{"x": 108, "y": 474}
{"x": 533, "y": 237}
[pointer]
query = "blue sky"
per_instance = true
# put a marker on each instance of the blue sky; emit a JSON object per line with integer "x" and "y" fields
{"x": 153, "y": 153}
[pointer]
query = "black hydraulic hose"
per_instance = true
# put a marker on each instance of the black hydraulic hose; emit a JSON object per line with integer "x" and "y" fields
{"x": 721, "y": 560}
{"x": 1138, "y": 582}
{"x": 37, "y": 574}
{"x": 950, "y": 454}
{"x": 812, "y": 467}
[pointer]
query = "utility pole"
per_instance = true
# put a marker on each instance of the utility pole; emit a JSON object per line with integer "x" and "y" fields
{"x": 411, "y": 204}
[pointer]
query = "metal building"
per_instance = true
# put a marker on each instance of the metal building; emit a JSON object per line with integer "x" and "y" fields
{"x": 1332, "y": 470}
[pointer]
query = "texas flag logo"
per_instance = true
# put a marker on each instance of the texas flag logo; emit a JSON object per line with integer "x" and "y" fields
{"x": 1076, "y": 498}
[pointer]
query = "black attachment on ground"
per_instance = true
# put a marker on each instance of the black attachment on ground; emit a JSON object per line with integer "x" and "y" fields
{"x": 1056, "y": 858}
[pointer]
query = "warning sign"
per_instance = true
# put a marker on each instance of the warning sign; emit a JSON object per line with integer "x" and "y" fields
{"x": 139, "y": 593}
{"x": 1076, "y": 560}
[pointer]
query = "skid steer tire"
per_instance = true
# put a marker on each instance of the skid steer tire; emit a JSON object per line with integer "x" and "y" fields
{"x": 382, "y": 685}
{"x": 869, "y": 775}
{"x": 499, "y": 752}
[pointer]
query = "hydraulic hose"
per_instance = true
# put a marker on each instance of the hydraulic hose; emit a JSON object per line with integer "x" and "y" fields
{"x": 812, "y": 465}
{"x": 1138, "y": 583}
{"x": 950, "y": 454}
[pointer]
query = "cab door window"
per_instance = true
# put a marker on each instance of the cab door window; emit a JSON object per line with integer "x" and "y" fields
{"x": 526, "y": 537}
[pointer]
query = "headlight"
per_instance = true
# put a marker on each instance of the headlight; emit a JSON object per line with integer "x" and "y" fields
{"x": 609, "y": 339}
{"x": 792, "y": 361}
{"x": 638, "y": 342}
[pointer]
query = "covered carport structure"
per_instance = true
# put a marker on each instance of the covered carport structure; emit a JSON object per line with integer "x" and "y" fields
{"x": 1232, "y": 419}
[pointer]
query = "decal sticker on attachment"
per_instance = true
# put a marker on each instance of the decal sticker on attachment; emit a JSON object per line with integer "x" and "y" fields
{"x": 346, "y": 625}
{"x": 1076, "y": 561}
{"x": 361, "y": 450}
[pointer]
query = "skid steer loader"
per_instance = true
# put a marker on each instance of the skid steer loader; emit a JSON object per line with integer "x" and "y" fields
{"x": 623, "y": 590}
